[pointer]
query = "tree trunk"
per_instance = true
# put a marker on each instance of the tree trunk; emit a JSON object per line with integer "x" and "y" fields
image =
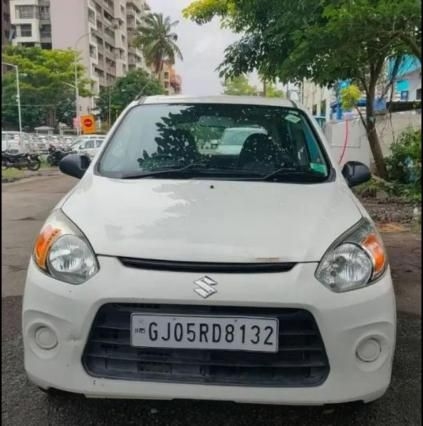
{"x": 50, "y": 115}
{"x": 264, "y": 87}
{"x": 372, "y": 132}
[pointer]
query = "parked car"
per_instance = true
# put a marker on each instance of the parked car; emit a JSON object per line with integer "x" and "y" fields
{"x": 167, "y": 273}
{"x": 14, "y": 142}
{"x": 88, "y": 145}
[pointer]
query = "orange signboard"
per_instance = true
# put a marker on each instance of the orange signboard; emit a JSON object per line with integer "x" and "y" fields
{"x": 87, "y": 124}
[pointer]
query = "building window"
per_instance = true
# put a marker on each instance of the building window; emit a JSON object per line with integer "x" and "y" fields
{"x": 45, "y": 30}
{"x": 26, "y": 30}
{"x": 25, "y": 12}
{"x": 44, "y": 12}
{"x": 93, "y": 53}
{"x": 91, "y": 15}
{"x": 419, "y": 94}
{"x": 323, "y": 108}
{"x": 166, "y": 75}
{"x": 166, "y": 84}
{"x": 314, "y": 112}
{"x": 404, "y": 95}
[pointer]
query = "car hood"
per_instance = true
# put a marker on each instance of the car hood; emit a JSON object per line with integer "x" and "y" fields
{"x": 210, "y": 221}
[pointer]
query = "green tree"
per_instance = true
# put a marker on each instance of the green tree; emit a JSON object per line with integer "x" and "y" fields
{"x": 157, "y": 40}
{"x": 45, "y": 96}
{"x": 115, "y": 98}
{"x": 273, "y": 92}
{"x": 238, "y": 86}
{"x": 322, "y": 41}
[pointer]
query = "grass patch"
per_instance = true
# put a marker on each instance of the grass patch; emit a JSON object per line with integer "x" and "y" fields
{"x": 11, "y": 174}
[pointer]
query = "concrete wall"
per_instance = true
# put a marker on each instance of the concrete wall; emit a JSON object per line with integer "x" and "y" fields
{"x": 389, "y": 128}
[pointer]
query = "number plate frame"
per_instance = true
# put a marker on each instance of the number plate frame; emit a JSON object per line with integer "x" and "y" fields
{"x": 265, "y": 321}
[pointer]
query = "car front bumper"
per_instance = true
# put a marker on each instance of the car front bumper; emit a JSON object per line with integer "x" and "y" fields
{"x": 344, "y": 320}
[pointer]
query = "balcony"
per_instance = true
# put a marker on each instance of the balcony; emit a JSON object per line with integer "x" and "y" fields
{"x": 130, "y": 23}
{"x": 109, "y": 54}
{"x": 135, "y": 4}
{"x": 109, "y": 37}
{"x": 132, "y": 60}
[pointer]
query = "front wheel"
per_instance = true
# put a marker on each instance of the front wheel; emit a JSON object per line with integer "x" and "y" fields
{"x": 34, "y": 165}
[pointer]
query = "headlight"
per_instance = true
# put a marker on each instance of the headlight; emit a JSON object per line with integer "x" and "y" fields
{"x": 62, "y": 251}
{"x": 355, "y": 260}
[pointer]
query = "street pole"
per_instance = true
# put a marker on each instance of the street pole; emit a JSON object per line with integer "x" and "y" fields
{"x": 110, "y": 107}
{"x": 18, "y": 94}
{"x": 78, "y": 124}
{"x": 76, "y": 95}
{"x": 18, "y": 99}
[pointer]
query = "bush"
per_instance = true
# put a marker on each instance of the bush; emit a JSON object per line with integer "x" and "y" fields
{"x": 404, "y": 164}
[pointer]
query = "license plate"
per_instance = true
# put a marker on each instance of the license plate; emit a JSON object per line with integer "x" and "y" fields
{"x": 203, "y": 332}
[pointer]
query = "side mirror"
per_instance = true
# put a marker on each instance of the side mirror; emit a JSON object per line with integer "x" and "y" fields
{"x": 355, "y": 173}
{"x": 74, "y": 165}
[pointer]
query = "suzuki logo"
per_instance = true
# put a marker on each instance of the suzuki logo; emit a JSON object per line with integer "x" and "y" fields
{"x": 205, "y": 287}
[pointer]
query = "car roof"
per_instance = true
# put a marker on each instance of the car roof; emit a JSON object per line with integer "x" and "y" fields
{"x": 223, "y": 99}
{"x": 91, "y": 136}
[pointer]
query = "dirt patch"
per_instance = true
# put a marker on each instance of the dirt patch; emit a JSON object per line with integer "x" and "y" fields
{"x": 404, "y": 252}
{"x": 389, "y": 210}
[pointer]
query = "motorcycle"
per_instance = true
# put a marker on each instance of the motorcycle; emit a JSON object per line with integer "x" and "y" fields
{"x": 55, "y": 155}
{"x": 20, "y": 161}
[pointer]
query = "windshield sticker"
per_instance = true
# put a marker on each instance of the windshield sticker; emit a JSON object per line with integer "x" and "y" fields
{"x": 317, "y": 167}
{"x": 292, "y": 118}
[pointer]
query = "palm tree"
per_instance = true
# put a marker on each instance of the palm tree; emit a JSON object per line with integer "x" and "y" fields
{"x": 157, "y": 41}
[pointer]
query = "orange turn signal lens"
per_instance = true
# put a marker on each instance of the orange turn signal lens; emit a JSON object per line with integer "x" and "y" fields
{"x": 43, "y": 243}
{"x": 374, "y": 247}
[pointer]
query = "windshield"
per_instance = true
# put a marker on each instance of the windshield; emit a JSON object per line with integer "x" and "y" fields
{"x": 271, "y": 141}
{"x": 237, "y": 136}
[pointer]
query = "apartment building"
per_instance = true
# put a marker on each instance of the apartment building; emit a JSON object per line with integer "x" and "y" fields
{"x": 172, "y": 82}
{"x": 100, "y": 30}
{"x": 317, "y": 99}
{"x": 134, "y": 12}
{"x": 5, "y": 22}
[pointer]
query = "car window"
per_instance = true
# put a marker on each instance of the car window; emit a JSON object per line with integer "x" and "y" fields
{"x": 158, "y": 137}
{"x": 98, "y": 142}
{"x": 89, "y": 144}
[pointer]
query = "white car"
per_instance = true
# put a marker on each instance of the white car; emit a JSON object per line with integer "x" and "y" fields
{"x": 170, "y": 274}
{"x": 88, "y": 145}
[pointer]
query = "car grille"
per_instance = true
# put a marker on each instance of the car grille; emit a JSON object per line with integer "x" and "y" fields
{"x": 300, "y": 361}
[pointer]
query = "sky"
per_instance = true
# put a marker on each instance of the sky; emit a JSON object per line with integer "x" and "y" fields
{"x": 202, "y": 47}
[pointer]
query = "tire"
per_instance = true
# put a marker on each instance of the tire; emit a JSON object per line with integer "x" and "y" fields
{"x": 34, "y": 165}
{"x": 50, "y": 160}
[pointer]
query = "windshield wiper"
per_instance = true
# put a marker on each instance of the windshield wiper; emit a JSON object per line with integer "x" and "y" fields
{"x": 299, "y": 175}
{"x": 168, "y": 170}
{"x": 192, "y": 170}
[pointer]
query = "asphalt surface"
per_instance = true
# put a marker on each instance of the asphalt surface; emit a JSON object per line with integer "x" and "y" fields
{"x": 25, "y": 206}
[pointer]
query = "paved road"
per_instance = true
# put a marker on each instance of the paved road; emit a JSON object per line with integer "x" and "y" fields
{"x": 25, "y": 206}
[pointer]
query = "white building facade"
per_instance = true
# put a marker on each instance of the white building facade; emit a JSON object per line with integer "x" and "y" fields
{"x": 100, "y": 30}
